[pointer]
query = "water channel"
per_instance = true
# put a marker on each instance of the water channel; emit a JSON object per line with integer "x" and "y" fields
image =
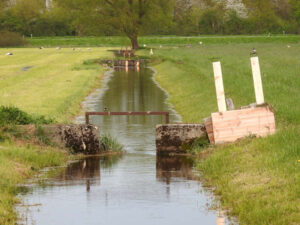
{"x": 136, "y": 188}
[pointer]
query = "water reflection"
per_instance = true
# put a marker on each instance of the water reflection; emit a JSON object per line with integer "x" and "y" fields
{"x": 137, "y": 188}
{"x": 174, "y": 167}
{"x": 85, "y": 171}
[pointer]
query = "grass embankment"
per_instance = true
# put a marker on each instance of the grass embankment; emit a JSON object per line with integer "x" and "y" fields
{"x": 157, "y": 40}
{"x": 50, "y": 83}
{"x": 18, "y": 163}
{"x": 56, "y": 83}
{"x": 258, "y": 180}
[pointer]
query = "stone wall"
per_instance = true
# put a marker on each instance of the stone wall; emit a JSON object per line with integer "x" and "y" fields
{"x": 176, "y": 138}
{"x": 83, "y": 139}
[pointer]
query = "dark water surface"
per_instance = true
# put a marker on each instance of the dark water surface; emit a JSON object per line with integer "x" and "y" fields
{"x": 137, "y": 188}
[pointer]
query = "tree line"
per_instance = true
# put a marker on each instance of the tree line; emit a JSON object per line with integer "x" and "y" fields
{"x": 149, "y": 17}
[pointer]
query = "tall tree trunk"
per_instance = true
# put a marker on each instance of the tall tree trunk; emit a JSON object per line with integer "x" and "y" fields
{"x": 134, "y": 42}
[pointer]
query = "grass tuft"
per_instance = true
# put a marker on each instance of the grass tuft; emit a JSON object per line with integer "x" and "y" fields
{"x": 108, "y": 143}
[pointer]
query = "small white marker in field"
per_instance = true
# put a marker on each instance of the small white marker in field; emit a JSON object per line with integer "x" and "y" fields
{"x": 8, "y": 54}
{"x": 151, "y": 52}
{"x": 160, "y": 46}
{"x": 219, "y": 87}
{"x": 145, "y": 45}
{"x": 288, "y": 46}
{"x": 200, "y": 43}
{"x": 259, "y": 94}
{"x": 57, "y": 48}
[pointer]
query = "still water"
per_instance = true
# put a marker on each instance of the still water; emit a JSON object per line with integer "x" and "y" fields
{"x": 136, "y": 188}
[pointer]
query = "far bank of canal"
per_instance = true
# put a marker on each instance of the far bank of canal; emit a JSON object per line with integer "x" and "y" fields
{"x": 136, "y": 188}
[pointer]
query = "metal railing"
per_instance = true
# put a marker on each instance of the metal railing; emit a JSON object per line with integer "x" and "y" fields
{"x": 88, "y": 114}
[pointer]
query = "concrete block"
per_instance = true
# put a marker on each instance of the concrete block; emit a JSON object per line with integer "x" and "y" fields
{"x": 78, "y": 138}
{"x": 173, "y": 138}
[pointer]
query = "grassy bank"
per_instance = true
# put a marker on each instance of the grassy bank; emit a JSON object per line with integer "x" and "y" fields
{"x": 18, "y": 163}
{"x": 50, "y": 83}
{"x": 158, "y": 40}
{"x": 258, "y": 180}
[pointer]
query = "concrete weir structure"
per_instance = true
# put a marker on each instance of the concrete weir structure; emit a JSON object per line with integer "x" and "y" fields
{"x": 177, "y": 138}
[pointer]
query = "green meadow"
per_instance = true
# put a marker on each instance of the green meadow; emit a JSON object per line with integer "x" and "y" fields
{"x": 118, "y": 41}
{"x": 257, "y": 180}
{"x": 49, "y": 82}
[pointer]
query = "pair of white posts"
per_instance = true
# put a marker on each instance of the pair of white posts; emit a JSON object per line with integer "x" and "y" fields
{"x": 258, "y": 87}
{"x": 137, "y": 65}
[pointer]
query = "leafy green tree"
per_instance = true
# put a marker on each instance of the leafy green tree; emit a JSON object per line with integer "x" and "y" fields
{"x": 212, "y": 18}
{"x": 184, "y": 17}
{"x": 262, "y": 14}
{"x": 131, "y": 17}
{"x": 234, "y": 24}
{"x": 295, "y": 11}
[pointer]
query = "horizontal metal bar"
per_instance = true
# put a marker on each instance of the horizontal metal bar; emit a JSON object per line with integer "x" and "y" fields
{"x": 126, "y": 113}
{"x": 87, "y": 114}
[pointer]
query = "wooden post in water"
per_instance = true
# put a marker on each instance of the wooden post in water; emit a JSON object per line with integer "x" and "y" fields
{"x": 126, "y": 65}
{"x": 258, "y": 87}
{"x": 137, "y": 64}
{"x": 219, "y": 87}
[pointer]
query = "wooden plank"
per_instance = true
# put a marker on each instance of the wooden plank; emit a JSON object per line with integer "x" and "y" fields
{"x": 241, "y": 114}
{"x": 258, "y": 87}
{"x": 245, "y": 122}
{"x": 209, "y": 129}
{"x": 219, "y": 87}
{"x": 232, "y": 125}
{"x": 244, "y": 131}
{"x": 247, "y": 111}
{"x": 235, "y": 138}
{"x": 211, "y": 138}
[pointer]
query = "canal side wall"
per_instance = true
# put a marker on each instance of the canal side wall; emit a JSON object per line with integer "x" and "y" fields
{"x": 177, "y": 138}
{"x": 83, "y": 139}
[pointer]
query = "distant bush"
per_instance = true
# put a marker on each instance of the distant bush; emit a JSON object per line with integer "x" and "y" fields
{"x": 11, "y": 39}
{"x": 15, "y": 116}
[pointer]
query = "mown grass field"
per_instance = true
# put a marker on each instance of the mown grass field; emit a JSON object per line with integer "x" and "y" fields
{"x": 157, "y": 40}
{"x": 54, "y": 84}
{"x": 258, "y": 180}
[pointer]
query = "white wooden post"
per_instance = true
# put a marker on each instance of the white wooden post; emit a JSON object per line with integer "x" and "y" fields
{"x": 258, "y": 87}
{"x": 126, "y": 66}
{"x": 219, "y": 86}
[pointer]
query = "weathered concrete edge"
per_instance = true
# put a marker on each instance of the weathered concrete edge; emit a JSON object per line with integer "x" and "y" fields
{"x": 83, "y": 139}
{"x": 177, "y": 138}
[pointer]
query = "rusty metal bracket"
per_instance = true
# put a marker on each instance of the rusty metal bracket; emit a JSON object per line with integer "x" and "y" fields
{"x": 88, "y": 114}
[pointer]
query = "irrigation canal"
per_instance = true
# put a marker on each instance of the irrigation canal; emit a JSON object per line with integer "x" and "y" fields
{"x": 136, "y": 188}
